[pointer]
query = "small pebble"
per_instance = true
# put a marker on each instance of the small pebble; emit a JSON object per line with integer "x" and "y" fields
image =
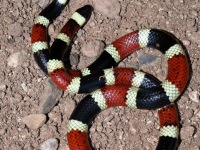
{"x": 186, "y": 42}
{"x": 51, "y": 29}
{"x": 194, "y": 96}
{"x": 132, "y": 129}
{"x": 147, "y": 59}
{"x": 74, "y": 59}
{"x": 13, "y": 59}
{"x": 2, "y": 87}
{"x": 24, "y": 87}
{"x": 109, "y": 8}
{"x": 49, "y": 97}
{"x": 194, "y": 12}
{"x": 50, "y": 144}
{"x": 34, "y": 121}
{"x": 15, "y": 29}
{"x": 99, "y": 128}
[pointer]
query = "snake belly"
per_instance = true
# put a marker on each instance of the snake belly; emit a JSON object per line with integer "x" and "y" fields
{"x": 139, "y": 90}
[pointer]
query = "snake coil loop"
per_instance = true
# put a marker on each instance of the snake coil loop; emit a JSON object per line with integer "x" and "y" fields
{"x": 110, "y": 86}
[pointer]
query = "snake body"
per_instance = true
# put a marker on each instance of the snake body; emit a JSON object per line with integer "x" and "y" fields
{"x": 111, "y": 86}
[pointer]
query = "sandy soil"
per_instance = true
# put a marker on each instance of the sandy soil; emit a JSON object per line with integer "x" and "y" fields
{"x": 24, "y": 89}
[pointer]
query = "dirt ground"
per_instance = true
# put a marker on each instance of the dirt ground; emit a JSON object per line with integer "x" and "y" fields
{"x": 24, "y": 90}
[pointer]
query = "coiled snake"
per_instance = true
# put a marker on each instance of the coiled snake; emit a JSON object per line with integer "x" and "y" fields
{"x": 109, "y": 86}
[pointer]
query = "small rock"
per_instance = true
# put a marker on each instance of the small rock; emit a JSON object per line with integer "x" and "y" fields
{"x": 50, "y": 96}
{"x": 92, "y": 24}
{"x": 80, "y": 33}
{"x": 2, "y": 87}
{"x": 146, "y": 59}
{"x": 121, "y": 135}
{"x": 186, "y": 42}
{"x": 10, "y": 39}
{"x": 15, "y": 29}
{"x": 51, "y": 29}
{"x": 27, "y": 36}
{"x": 194, "y": 12}
{"x": 50, "y": 144}
{"x": 187, "y": 132}
{"x": 109, "y": 8}
{"x": 74, "y": 58}
{"x": 34, "y": 121}
{"x": 194, "y": 96}
{"x": 132, "y": 129}
{"x": 99, "y": 128}
{"x": 13, "y": 59}
{"x": 24, "y": 87}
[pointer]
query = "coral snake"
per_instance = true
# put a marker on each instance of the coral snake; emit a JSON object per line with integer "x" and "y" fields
{"x": 110, "y": 86}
